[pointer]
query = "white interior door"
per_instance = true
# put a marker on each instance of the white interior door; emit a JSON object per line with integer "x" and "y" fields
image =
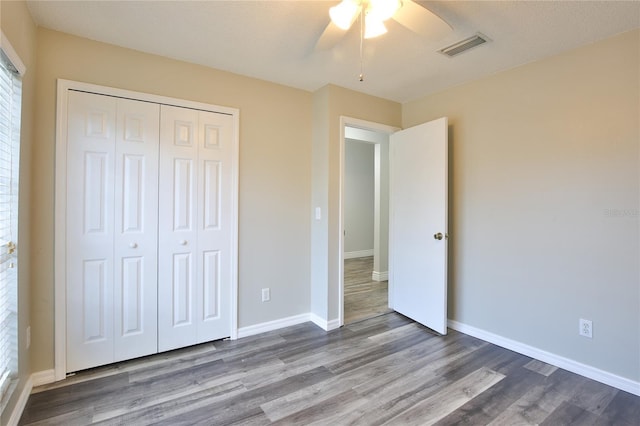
{"x": 90, "y": 222}
{"x": 194, "y": 227}
{"x": 215, "y": 174}
{"x": 418, "y": 223}
{"x": 136, "y": 229}
{"x": 177, "y": 231}
{"x": 112, "y": 222}
{"x": 146, "y": 225}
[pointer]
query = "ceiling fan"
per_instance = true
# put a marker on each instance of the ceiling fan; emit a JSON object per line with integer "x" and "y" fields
{"x": 374, "y": 13}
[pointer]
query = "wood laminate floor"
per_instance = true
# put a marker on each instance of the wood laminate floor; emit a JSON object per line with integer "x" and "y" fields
{"x": 386, "y": 370}
{"x": 363, "y": 297}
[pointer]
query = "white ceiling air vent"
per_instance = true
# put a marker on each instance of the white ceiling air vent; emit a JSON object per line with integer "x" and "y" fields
{"x": 464, "y": 45}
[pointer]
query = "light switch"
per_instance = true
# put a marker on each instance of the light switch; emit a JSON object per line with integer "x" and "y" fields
{"x": 318, "y": 213}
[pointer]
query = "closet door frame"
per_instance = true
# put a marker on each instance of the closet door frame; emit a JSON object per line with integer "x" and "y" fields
{"x": 60, "y": 211}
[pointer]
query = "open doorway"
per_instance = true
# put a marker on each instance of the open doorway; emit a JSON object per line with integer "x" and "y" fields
{"x": 365, "y": 223}
{"x": 415, "y": 241}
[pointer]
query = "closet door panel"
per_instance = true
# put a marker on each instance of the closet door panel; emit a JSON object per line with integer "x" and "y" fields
{"x": 90, "y": 224}
{"x": 136, "y": 228}
{"x": 149, "y": 228}
{"x": 214, "y": 226}
{"x": 178, "y": 236}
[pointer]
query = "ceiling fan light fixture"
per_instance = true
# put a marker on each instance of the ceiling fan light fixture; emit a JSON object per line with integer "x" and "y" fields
{"x": 344, "y": 13}
{"x": 373, "y": 27}
{"x": 382, "y": 10}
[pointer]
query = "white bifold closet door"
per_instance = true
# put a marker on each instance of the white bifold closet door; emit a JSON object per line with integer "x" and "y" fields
{"x": 195, "y": 257}
{"x": 112, "y": 221}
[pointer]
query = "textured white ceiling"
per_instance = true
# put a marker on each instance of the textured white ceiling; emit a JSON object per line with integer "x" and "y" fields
{"x": 274, "y": 40}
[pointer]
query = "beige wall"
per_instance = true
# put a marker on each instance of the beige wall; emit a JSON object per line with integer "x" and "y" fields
{"x": 359, "y": 194}
{"x": 332, "y": 102}
{"x": 329, "y": 104}
{"x": 319, "y": 251}
{"x": 541, "y": 157}
{"x": 275, "y": 172}
{"x": 21, "y": 33}
{"x": 343, "y": 102}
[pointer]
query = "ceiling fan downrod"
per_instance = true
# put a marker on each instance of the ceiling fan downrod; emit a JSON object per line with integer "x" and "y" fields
{"x": 361, "y": 45}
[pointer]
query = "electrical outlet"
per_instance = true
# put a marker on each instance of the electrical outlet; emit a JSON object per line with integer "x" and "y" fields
{"x": 266, "y": 294}
{"x": 28, "y": 339}
{"x": 586, "y": 328}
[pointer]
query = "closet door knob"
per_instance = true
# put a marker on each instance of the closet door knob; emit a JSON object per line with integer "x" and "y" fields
{"x": 183, "y": 242}
{"x": 133, "y": 245}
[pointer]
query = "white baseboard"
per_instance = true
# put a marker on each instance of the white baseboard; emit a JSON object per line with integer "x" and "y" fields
{"x": 359, "y": 253}
{"x": 333, "y": 324}
{"x": 21, "y": 403}
{"x": 284, "y": 322}
{"x": 324, "y": 324}
{"x": 380, "y": 276}
{"x": 272, "y": 325}
{"x": 550, "y": 358}
{"x": 44, "y": 377}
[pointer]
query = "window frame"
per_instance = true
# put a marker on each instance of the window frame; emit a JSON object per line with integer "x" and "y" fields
{"x": 17, "y": 68}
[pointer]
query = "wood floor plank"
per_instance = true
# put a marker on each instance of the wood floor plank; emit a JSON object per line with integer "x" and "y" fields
{"x": 363, "y": 297}
{"x": 399, "y": 395}
{"x": 487, "y": 355}
{"x": 594, "y": 397}
{"x": 399, "y": 332}
{"x": 157, "y": 390}
{"x": 74, "y": 418}
{"x": 312, "y": 360}
{"x": 569, "y": 414}
{"x": 380, "y": 351}
{"x": 559, "y": 388}
{"x": 77, "y": 397}
{"x": 530, "y": 409}
{"x": 417, "y": 371}
{"x": 484, "y": 408}
{"x": 143, "y": 410}
{"x": 443, "y": 403}
{"x": 238, "y": 409}
{"x": 225, "y": 352}
{"x": 623, "y": 410}
{"x": 380, "y": 370}
{"x": 339, "y": 409}
{"x": 540, "y": 367}
{"x": 304, "y": 398}
{"x": 342, "y": 345}
{"x": 404, "y": 387}
{"x": 388, "y": 321}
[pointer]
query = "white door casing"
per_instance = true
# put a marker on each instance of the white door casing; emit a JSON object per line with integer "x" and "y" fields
{"x": 418, "y": 213}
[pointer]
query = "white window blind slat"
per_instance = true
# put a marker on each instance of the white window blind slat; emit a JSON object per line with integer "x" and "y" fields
{"x": 10, "y": 108}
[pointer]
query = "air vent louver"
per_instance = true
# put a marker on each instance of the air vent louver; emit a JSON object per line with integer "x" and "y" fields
{"x": 464, "y": 45}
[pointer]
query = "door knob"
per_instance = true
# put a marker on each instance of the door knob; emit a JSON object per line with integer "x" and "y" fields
{"x": 438, "y": 236}
{"x": 133, "y": 245}
{"x": 183, "y": 242}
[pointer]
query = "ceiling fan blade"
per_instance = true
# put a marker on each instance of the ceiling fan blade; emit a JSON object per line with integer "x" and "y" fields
{"x": 421, "y": 21}
{"x": 330, "y": 37}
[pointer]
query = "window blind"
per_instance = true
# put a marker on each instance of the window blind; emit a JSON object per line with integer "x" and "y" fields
{"x": 10, "y": 109}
